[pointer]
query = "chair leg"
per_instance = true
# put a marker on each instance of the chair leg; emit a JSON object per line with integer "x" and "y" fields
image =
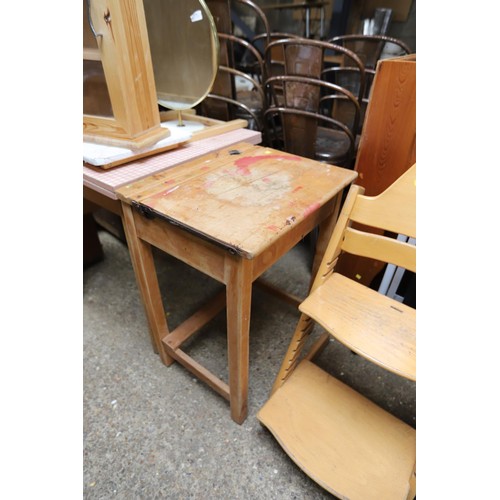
{"x": 302, "y": 332}
{"x": 413, "y": 486}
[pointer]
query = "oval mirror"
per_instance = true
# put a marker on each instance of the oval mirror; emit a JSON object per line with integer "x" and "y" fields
{"x": 184, "y": 50}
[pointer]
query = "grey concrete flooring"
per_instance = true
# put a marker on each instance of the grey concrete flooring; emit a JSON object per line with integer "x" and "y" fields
{"x": 154, "y": 432}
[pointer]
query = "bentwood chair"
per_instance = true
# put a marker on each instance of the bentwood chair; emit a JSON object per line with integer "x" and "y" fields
{"x": 370, "y": 49}
{"x": 345, "y": 442}
{"x": 237, "y": 90}
{"x": 295, "y": 121}
{"x": 276, "y": 62}
{"x": 249, "y": 104}
{"x": 305, "y": 59}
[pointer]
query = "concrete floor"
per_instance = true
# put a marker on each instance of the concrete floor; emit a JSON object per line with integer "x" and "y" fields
{"x": 154, "y": 432}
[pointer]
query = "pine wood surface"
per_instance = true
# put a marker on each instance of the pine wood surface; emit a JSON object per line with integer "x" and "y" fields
{"x": 391, "y": 209}
{"x": 369, "y": 323}
{"x": 107, "y": 181}
{"x": 236, "y": 196}
{"x": 387, "y": 146}
{"x": 272, "y": 191}
{"x": 346, "y": 443}
{"x": 126, "y": 60}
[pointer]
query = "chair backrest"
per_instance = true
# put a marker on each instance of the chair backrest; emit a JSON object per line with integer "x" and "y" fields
{"x": 276, "y": 58}
{"x": 249, "y": 104}
{"x": 392, "y": 211}
{"x": 231, "y": 18}
{"x": 304, "y": 57}
{"x": 370, "y": 48}
{"x": 237, "y": 90}
{"x": 303, "y": 96}
{"x": 297, "y": 132}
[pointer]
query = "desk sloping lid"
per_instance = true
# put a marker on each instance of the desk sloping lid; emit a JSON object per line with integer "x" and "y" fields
{"x": 243, "y": 196}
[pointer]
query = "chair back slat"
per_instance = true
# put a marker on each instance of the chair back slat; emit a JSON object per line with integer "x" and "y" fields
{"x": 378, "y": 247}
{"x": 393, "y": 210}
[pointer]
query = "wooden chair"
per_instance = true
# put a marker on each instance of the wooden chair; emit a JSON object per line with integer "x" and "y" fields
{"x": 370, "y": 49}
{"x": 276, "y": 61}
{"x": 249, "y": 103}
{"x": 237, "y": 89}
{"x": 295, "y": 122}
{"x": 343, "y": 441}
{"x": 305, "y": 59}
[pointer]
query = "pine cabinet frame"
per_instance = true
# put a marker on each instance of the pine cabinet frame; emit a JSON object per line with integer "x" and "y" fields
{"x": 122, "y": 46}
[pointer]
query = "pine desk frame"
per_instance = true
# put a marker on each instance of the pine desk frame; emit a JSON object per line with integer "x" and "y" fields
{"x": 233, "y": 266}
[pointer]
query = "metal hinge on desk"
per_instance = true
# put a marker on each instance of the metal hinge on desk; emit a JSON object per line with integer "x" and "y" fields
{"x": 144, "y": 210}
{"x": 150, "y": 213}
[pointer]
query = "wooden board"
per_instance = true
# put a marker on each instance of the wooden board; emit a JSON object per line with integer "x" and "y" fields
{"x": 211, "y": 126}
{"x": 270, "y": 190}
{"x": 126, "y": 61}
{"x": 369, "y": 323}
{"x": 344, "y": 442}
{"x": 191, "y": 127}
{"x": 387, "y": 146}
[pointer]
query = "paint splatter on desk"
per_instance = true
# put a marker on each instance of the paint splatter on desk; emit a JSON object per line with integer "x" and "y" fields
{"x": 242, "y": 200}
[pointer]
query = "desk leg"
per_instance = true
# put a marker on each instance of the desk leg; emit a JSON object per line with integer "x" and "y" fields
{"x": 147, "y": 281}
{"x": 238, "y": 279}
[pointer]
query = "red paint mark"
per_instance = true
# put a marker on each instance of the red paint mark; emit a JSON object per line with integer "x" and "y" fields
{"x": 298, "y": 188}
{"x": 204, "y": 167}
{"x": 266, "y": 179}
{"x": 243, "y": 163}
{"x": 311, "y": 208}
{"x": 169, "y": 181}
{"x": 273, "y": 228}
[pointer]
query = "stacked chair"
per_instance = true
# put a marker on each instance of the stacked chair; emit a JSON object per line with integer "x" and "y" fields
{"x": 237, "y": 91}
{"x": 370, "y": 49}
{"x": 307, "y": 97}
{"x": 308, "y": 115}
{"x": 345, "y": 442}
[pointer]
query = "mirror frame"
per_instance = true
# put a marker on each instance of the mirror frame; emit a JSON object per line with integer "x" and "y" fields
{"x": 136, "y": 120}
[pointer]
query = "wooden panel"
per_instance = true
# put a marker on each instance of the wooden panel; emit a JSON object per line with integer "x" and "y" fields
{"x": 190, "y": 249}
{"x": 107, "y": 181}
{"x": 371, "y": 324}
{"x": 393, "y": 210}
{"x": 388, "y": 143}
{"x": 381, "y": 248}
{"x": 124, "y": 49}
{"x": 272, "y": 191}
{"x": 343, "y": 441}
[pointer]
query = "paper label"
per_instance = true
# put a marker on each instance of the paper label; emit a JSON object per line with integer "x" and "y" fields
{"x": 196, "y": 16}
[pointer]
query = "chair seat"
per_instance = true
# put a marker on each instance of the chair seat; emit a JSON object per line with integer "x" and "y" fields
{"x": 343, "y": 441}
{"x": 367, "y": 322}
{"x": 332, "y": 145}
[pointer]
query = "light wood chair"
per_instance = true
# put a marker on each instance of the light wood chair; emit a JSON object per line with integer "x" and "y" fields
{"x": 346, "y": 443}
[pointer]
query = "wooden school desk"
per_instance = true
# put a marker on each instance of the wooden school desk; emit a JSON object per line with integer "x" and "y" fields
{"x": 231, "y": 215}
{"x": 100, "y": 185}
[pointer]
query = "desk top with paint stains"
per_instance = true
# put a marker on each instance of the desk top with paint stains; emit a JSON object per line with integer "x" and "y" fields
{"x": 243, "y": 196}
